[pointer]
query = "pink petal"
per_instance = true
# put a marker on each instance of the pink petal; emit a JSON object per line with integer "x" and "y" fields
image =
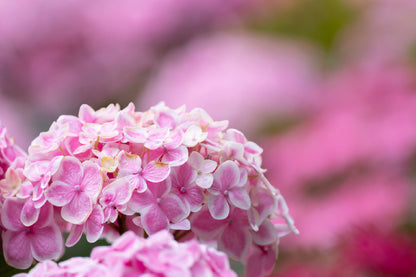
{"x": 16, "y": 249}
{"x": 35, "y": 170}
{"x": 141, "y": 201}
{"x": 121, "y": 189}
{"x": 29, "y": 213}
{"x": 196, "y": 160}
{"x": 156, "y": 171}
{"x": 227, "y": 175}
{"x": 243, "y": 178}
{"x": 60, "y": 194}
{"x": 156, "y": 138}
{"x": 47, "y": 243}
{"x": 160, "y": 189}
{"x": 208, "y": 166}
{"x": 218, "y": 206}
{"x": 176, "y": 157}
{"x": 86, "y": 113}
{"x": 253, "y": 218}
{"x": 193, "y": 136}
{"x": 185, "y": 174}
{"x": 165, "y": 120}
{"x": 253, "y": 148}
{"x": 10, "y": 214}
{"x": 45, "y": 216}
{"x": 235, "y": 241}
{"x": 74, "y": 235}
{"x": 195, "y": 197}
{"x": 264, "y": 264}
{"x": 137, "y": 182}
{"x": 205, "y": 226}
{"x": 129, "y": 163}
{"x": 94, "y": 226}
{"x": 70, "y": 171}
{"x": 174, "y": 208}
{"x": 204, "y": 180}
{"x": 92, "y": 180}
{"x": 38, "y": 192}
{"x": 236, "y": 135}
{"x": 154, "y": 220}
{"x": 110, "y": 214}
{"x": 135, "y": 134}
{"x": 266, "y": 234}
{"x": 263, "y": 205}
{"x": 78, "y": 210}
{"x": 83, "y": 148}
{"x": 239, "y": 198}
{"x": 182, "y": 225}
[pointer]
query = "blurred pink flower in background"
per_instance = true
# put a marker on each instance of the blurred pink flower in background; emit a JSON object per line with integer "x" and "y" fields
{"x": 346, "y": 164}
{"x": 14, "y": 118}
{"x": 77, "y": 52}
{"x": 241, "y": 77}
{"x": 368, "y": 251}
{"x": 384, "y": 33}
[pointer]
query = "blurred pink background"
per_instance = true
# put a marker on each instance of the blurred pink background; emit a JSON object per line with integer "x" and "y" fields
{"x": 326, "y": 87}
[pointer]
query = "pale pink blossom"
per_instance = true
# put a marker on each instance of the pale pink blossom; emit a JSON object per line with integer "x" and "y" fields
{"x": 114, "y": 197}
{"x": 228, "y": 189}
{"x": 42, "y": 240}
{"x": 241, "y": 77}
{"x": 159, "y": 255}
{"x": 75, "y": 188}
{"x": 130, "y": 167}
{"x": 93, "y": 228}
{"x": 204, "y": 168}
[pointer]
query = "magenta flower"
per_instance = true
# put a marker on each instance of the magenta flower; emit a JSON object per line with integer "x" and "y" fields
{"x": 228, "y": 189}
{"x": 75, "y": 188}
{"x": 42, "y": 240}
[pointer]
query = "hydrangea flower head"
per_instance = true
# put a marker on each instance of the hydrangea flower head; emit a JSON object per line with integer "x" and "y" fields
{"x": 109, "y": 171}
{"x": 130, "y": 255}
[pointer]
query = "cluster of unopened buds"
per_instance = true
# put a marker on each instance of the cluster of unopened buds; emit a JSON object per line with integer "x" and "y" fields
{"x": 111, "y": 171}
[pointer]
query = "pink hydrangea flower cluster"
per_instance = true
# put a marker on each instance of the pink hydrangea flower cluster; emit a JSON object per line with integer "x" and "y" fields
{"x": 130, "y": 255}
{"x": 112, "y": 170}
